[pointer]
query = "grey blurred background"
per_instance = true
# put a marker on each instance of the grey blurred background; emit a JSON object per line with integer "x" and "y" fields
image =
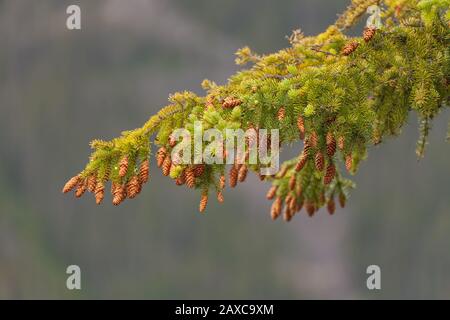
{"x": 59, "y": 89}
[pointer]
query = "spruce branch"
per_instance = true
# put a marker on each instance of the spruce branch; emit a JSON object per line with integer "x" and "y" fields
{"x": 337, "y": 94}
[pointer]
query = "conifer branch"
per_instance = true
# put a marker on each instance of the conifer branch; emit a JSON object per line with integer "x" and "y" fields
{"x": 338, "y": 94}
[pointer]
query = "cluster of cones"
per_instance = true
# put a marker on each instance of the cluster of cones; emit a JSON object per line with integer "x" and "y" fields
{"x": 320, "y": 151}
{"x": 295, "y": 200}
{"x": 122, "y": 189}
{"x": 188, "y": 175}
{"x": 368, "y": 34}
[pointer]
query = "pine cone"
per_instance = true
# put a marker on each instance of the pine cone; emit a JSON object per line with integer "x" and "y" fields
{"x": 272, "y": 192}
{"x": 220, "y": 197}
{"x": 203, "y": 202}
{"x": 341, "y": 143}
{"x": 301, "y": 127}
{"x": 167, "y": 164}
{"x": 349, "y": 48}
{"x": 307, "y": 148}
{"x": 320, "y": 161}
{"x": 310, "y": 208}
{"x": 242, "y": 175}
{"x": 99, "y": 192}
{"x": 172, "y": 141}
{"x": 160, "y": 156}
{"x": 313, "y": 140}
{"x": 331, "y": 144}
{"x": 119, "y": 194}
{"x": 349, "y": 162}
{"x": 133, "y": 187}
{"x": 293, "y": 205}
{"x": 302, "y": 160}
{"x": 222, "y": 182}
{"x": 288, "y": 215}
{"x": 233, "y": 176}
{"x": 143, "y": 171}
{"x": 330, "y": 174}
{"x": 276, "y": 208}
{"x": 190, "y": 178}
{"x": 72, "y": 183}
{"x": 181, "y": 178}
{"x": 230, "y": 103}
{"x": 281, "y": 114}
{"x": 369, "y": 33}
{"x": 123, "y": 166}
{"x": 198, "y": 170}
{"x": 331, "y": 206}
{"x": 81, "y": 189}
{"x": 91, "y": 183}
{"x": 292, "y": 182}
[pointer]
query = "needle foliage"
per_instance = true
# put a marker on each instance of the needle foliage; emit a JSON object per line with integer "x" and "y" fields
{"x": 340, "y": 95}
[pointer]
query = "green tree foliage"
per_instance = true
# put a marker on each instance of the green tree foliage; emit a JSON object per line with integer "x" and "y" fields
{"x": 339, "y": 94}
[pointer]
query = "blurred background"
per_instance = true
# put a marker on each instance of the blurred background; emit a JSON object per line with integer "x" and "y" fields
{"x": 59, "y": 89}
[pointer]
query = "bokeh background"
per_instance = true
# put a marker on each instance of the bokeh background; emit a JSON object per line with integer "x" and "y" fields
{"x": 59, "y": 89}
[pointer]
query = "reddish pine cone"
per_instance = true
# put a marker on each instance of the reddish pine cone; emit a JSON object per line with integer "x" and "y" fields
{"x": 349, "y": 162}
{"x": 233, "y": 176}
{"x": 272, "y": 192}
{"x": 119, "y": 194}
{"x": 301, "y": 127}
{"x": 81, "y": 189}
{"x": 203, "y": 202}
{"x": 341, "y": 143}
{"x": 369, "y": 33}
{"x": 331, "y": 206}
{"x": 181, "y": 179}
{"x": 319, "y": 161}
{"x": 222, "y": 182}
{"x": 172, "y": 141}
{"x": 123, "y": 166}
{"x": 190, "y": 178}
{"x": 292, "y": 182}
{"x": 133, "y": 187}
{"x": 349, "y": 48}
{"x": 288, "y": 214}
{"x": 160, "y": 156}
{"x": 310, "y": 208}
{"x": 331, "y": 144}
{"x": 313, "y": 140}
{"x": 230, "y": 103}
{"x": 167, "y": 164}
{"x": 144, "y": 169}
{"x": 302, "y": 160}
{"x": 330, "y": 174}
{"x": 71, "y": 184}
{"x": 293, "y": 205}
{"x": 281, "y": 114}
{"x": 91, "y": 183}
{"x": 99, "y": 192}
{"x": 198, "y": 170}
{"x": 276, "y": 208}
{"x": 242, "y": 174}
{"x": 220, "y": 197}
